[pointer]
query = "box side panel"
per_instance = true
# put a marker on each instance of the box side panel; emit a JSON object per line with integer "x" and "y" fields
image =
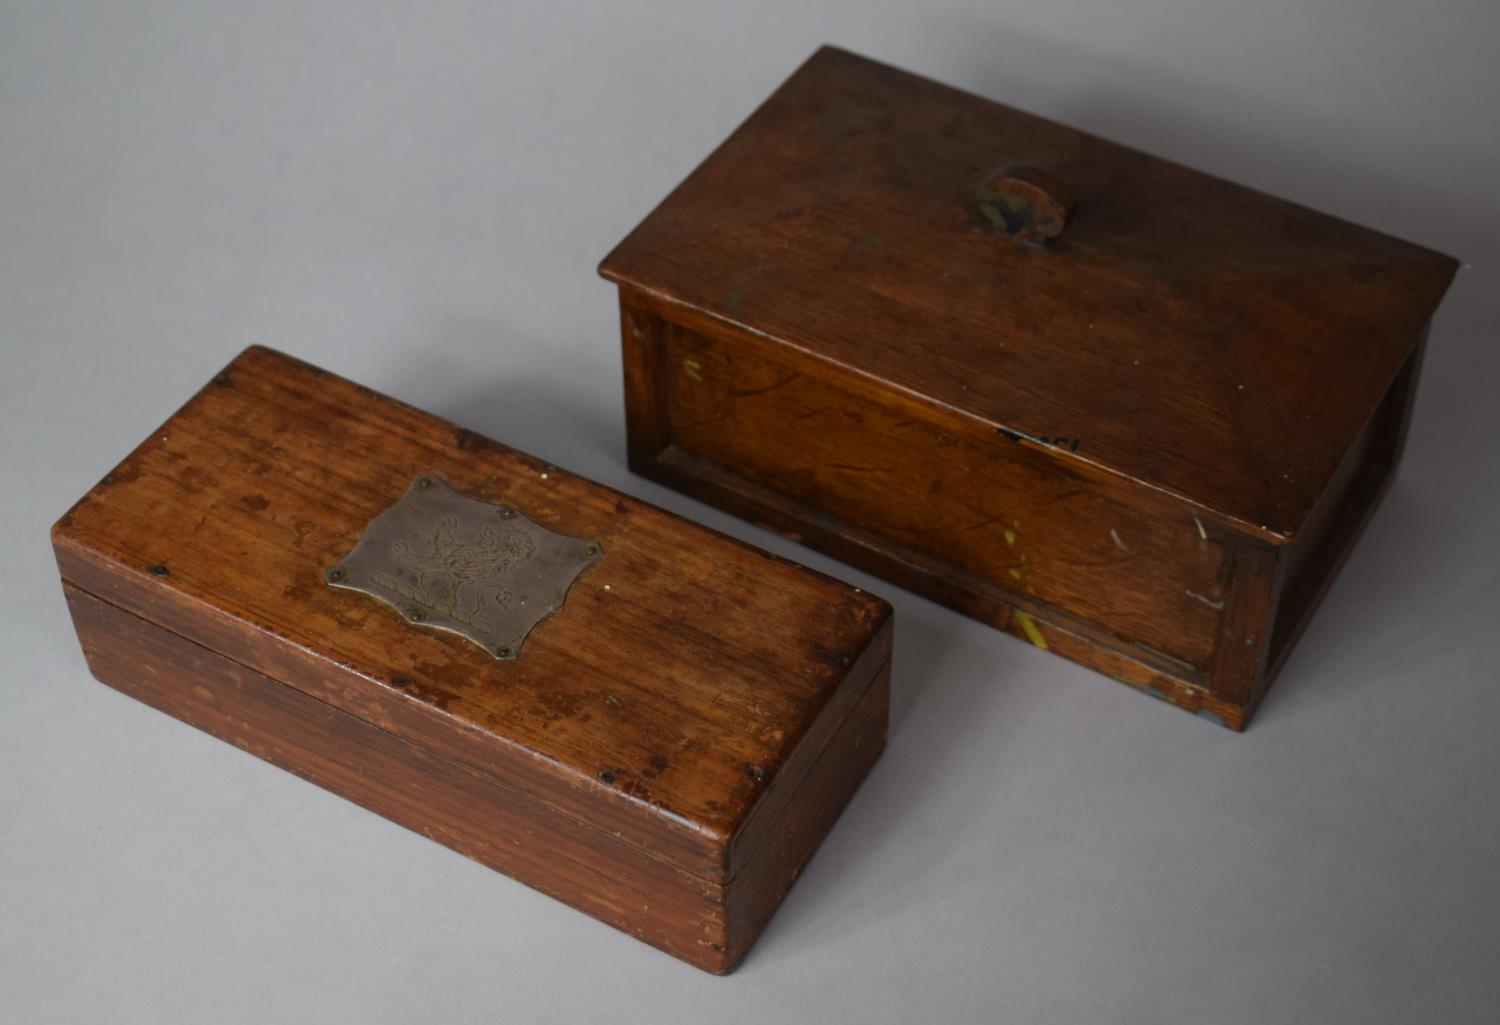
{"x": 1137, "y": 569}
{"x": 498, "y": 827}
{"x": 769, "y": 873}
{"x": 1313, "y": 559}
{"x": 780, "y": 801}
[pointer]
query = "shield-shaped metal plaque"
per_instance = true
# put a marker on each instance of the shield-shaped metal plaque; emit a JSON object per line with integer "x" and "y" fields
{"x": 451, "y": 562}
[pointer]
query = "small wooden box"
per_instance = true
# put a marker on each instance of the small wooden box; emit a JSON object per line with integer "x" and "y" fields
{"x": 664, "y": 751}
{"x": 1132, "y": 413}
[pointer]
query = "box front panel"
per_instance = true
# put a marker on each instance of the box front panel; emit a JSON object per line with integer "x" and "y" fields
{"x": 586, "y": 867}
{"x": 1081, "y": 547}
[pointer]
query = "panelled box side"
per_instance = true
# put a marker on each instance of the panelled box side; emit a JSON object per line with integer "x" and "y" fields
{"x": 1166, "y": 596}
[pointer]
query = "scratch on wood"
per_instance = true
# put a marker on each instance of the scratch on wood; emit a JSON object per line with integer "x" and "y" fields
{"x": 1217, "y": 606}
{"x": 1115, "y": 536}
{"x": 687, "y": 425}
{"x": 851, "y": 468}
{"x": 740, "y": 393}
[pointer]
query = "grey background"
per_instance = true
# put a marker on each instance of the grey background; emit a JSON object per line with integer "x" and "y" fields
{"x": 416, "y": 196}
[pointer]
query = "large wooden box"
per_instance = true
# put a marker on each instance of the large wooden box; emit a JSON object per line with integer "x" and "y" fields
{"x": 1131, "y": 413}
{"x": 664, "y": 751}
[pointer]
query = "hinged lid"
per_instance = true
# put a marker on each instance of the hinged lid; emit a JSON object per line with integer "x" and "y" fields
{"x": 1172, "y": 327}
{"x": 672, "y": 702}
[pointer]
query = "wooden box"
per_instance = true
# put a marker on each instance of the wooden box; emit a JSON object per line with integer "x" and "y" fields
{"x": 1132, "y": 413}
{"x": 664, "y": 751}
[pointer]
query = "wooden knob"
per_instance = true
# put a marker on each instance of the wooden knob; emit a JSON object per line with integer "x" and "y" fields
{"x": 1028, "y": 204}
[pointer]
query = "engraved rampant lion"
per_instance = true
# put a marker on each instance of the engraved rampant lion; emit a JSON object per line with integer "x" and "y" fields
{"x": 459, "y": 578}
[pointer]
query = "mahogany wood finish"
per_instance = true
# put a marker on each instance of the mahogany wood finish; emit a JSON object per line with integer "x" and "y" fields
{"x": 1132, "y": 413}
{"x": 667, "y": 752}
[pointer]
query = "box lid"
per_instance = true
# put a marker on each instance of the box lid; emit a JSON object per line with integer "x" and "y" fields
{"x": 1182, "y": 331}
{"x": 673, "y": 702}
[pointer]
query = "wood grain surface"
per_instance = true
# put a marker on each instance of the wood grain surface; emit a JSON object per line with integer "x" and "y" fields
{"x": 1145, "y": 441}
{"x": 686, "y": 705}
{"x": 709, "y": 923}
